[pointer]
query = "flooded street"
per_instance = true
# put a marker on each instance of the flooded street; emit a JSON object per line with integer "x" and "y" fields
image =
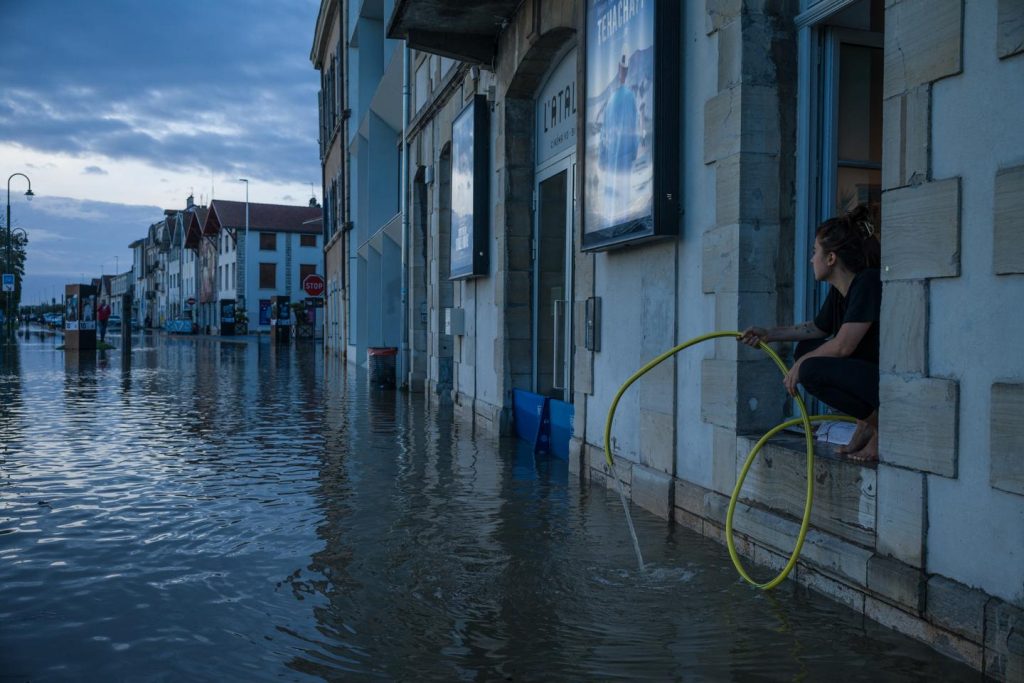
{"x": 232, "y": 511}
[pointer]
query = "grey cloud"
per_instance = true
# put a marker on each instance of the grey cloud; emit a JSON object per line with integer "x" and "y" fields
{"x": 186, "y": 66}
{"x": 94, "y": 170}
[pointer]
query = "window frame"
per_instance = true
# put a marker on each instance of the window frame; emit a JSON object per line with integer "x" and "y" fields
{"x": 817, "y": 141}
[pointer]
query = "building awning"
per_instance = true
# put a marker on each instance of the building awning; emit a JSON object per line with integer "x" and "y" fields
{"x": 466, "y": 31}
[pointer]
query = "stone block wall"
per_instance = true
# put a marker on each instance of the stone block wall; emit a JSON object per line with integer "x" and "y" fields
{"x": 921, "y": 225}
{"x": 749, "y": 137}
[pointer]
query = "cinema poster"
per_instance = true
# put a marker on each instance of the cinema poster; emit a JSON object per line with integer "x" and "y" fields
{"x": 631, "y": 148}
{"x": 469, "y": 242}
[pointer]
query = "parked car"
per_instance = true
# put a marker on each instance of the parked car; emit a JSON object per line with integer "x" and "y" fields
{"x": 114, "y": 323}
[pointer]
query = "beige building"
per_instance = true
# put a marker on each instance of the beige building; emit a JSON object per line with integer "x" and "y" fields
{"x": 328, "y": 57}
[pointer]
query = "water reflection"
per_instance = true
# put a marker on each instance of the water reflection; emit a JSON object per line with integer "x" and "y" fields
{"x": 239, "y": 511}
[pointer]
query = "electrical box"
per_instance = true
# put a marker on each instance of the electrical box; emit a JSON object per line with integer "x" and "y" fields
{"x": 455, "y": 321}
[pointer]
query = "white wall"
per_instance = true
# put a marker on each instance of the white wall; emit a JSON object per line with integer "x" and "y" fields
{"x": 975, "y": 532}
{"x": 618, "y": 281}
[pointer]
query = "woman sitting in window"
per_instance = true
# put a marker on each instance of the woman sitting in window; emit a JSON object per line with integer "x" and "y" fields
{"x": 837, "y": 353}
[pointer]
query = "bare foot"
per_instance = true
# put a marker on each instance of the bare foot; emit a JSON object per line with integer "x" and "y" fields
{"x": 869, "y": 453}
{"x": 859, "y": 440}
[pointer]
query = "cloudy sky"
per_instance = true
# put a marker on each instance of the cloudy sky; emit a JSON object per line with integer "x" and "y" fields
{"x": 118, "y": 109}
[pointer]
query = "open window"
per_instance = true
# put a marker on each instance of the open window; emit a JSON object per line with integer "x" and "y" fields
{"x": 841, "y": 113}
{"x": 839, "y": 128}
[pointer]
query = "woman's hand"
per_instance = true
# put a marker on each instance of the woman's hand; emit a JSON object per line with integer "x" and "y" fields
{"x": 792, "y": 378}
{"x": 753, "y": 336}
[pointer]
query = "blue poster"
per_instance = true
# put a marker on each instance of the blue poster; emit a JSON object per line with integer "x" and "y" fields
{"x": 619, "y": 168}
{"x": 463, "y": 158}
{"x": 264, "y": 311}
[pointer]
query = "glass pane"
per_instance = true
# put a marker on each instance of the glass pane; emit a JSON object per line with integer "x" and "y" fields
{"x": 856, "y": 186}
{"x": 550, "y": 273}
{"x": 860, "y": 103}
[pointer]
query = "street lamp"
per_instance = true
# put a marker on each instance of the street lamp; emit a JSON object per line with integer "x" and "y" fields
{"x": 245, "y": 253}
{"x": 20, "y": 232}
{"x": 10, "y": 239}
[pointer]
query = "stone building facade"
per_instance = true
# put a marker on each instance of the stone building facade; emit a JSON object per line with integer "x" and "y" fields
{"x": 788, "y": 112}
{"x": 328, "y": 57}
{"x": 360, "y": 152}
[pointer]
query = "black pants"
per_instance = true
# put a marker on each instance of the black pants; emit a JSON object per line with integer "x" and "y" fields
{"x": 850, "y": 385}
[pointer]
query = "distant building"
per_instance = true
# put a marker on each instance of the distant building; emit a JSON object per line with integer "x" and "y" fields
{"x": 361, "y": 152}
{"x": 141, "y": 303}
{"x": 194, "y": 259}
{"x": 120, "y": 284}
{"x": 159, "y": 249}
{"x": 329, "y": 57}
{"x": 283, "y": 246}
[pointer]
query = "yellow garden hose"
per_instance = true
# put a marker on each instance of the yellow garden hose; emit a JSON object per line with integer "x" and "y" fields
{"x": 804, "y": 419}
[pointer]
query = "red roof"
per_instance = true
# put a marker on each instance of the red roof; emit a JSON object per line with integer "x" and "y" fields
{"x": 265, "y": 217}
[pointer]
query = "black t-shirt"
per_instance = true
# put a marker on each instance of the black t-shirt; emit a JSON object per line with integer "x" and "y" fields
{"x": 862, "y": 304}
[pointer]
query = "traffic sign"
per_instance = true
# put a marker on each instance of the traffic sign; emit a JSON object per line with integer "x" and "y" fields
{"x": 191, "y": 301}
{"x": 313, "y": 285}
{"x": 9, "y": 282}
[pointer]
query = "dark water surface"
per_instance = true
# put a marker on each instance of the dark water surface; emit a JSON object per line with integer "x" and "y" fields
{"x": 225, "y": 511}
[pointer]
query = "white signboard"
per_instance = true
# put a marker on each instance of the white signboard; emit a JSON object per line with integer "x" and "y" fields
{"x": 556, "y": 112}
{"x": 8, "y": 282}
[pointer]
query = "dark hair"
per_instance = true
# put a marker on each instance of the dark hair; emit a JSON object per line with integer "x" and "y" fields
{"x": 854, "y": 239}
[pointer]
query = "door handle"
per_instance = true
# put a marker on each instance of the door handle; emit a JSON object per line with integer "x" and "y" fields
{"x": 557, "y": 369}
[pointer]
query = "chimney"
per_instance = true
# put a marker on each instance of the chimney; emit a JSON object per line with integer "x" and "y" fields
{"x": 189, "y": 202}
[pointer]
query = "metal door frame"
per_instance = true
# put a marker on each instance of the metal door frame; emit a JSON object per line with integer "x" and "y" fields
{"x": 566, "y": 164}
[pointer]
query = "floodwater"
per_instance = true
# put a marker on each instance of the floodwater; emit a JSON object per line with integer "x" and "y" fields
{"x": 229, "y": 511}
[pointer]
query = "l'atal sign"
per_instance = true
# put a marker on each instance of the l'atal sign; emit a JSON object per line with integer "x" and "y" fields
{"x": 556, "y": 112}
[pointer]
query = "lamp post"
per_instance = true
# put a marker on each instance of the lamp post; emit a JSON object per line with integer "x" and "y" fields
{"x": 245, "y": 253}
{"x": 8, "y": 262}
{"x": 24, "y": 236}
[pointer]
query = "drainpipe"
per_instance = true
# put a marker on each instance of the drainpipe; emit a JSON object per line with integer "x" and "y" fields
{"x": 346, "y": 214}
{"x": 403, "y": 358}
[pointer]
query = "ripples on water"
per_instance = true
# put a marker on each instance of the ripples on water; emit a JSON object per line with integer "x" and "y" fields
{"x": 226, "y": 511}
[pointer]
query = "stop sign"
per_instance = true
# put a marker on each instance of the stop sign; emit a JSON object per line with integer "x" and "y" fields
{"x": 313, "y": 285}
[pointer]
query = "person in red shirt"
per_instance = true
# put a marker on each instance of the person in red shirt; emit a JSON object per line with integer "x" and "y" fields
{"x": 102, "y": 316}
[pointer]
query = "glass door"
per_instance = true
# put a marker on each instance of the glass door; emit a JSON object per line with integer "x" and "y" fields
{"x": 552, "y": 282}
